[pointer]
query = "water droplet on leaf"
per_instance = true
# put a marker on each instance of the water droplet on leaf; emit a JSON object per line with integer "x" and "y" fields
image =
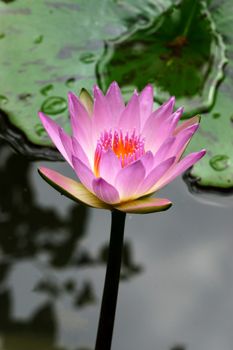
{"x": 54, "y": 105}
{"x": 25, "y": 97}
{"x": 46, "y": 90}
{"x": 70, "y": 82}
{"x": 39, "y": 129}
{"x": 3, "y": 100}
{"x": 87, "y": 58}
{"x": 216, "y": 115}
{"x": 39, "y": 39}
{"x": 142, "y": 20}
{"x": 220, "y": 162}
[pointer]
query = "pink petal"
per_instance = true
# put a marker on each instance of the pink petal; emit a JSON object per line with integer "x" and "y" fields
{"x": 175, "y": 117}
{"x": 130, "y": 117}
{"x": 166, "y": 129}
{"x": 52, "y": 129}
{"x": 109, "y": 166}
{"x": 84, "y": 174}
{"x": 80, "y": 121}
{"x": 157, "y": 124}
{"x": 155, "y": 175}
{"x": 166, "y": 109}
{"x": 145, "y": 205}
{"x": 78, "y": 152}
{"x": 150, "y": 132}
{"x": 129, "y": 179}
{"x": 72, "y": 189}
{"x": 163, "y": 151}
{"x": 102, "y": 118}
{"x": 148, "y": 161}
{"x": 178, "y": 169}
{"x": 106, "y": 192}
{"x": 67, "y": 144}
{"x": 182, "y": 140}
{"x": 115, "y": 101}
{"x": 146, "y": 103}
{"x": 186, "y": 124}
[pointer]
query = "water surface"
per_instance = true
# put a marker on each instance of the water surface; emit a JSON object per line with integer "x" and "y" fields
{"x": 176, "y": 290}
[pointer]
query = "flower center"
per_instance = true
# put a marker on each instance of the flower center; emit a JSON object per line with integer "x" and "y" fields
{"x": 127, "y": 148}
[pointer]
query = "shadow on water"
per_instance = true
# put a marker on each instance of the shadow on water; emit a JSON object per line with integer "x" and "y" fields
{"x": 45, "y": 243}
{"x": 23, "y": 224}
{"x": 20, "y": 335}
{"x": 19, "y": 142}
{"x": 23, "y": 220}
{"x": 221, "y": 197}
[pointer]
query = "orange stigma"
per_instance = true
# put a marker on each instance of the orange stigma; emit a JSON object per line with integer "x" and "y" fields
{"x": 127, "y": 148}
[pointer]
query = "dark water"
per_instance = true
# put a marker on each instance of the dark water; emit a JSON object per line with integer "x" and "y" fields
{"x": 176, "y": 290}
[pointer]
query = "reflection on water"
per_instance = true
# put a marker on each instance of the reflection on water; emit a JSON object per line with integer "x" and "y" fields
{"x": 18, "y": 334}
{"x": 20, "y": 143}
{"x": 45, "y": 282}
{"x": 221, "y": 197}
{"x": 177, "y": 275}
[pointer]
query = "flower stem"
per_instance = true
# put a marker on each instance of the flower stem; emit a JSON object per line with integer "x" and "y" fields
{"x": 109, "y": 299}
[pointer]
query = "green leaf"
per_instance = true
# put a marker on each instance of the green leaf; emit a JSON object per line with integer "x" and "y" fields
{"x": 216, "y": 128}
{"x": 180, "y": 53}
{"x": 185, "y": 65}
{"x": 50, "y": 47}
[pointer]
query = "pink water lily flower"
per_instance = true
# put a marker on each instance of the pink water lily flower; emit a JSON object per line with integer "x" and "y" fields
{"x": 121, "y": 153}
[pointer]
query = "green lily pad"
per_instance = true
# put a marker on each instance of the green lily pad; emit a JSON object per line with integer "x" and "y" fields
{"x": 138, "y": 56}
{"x": 216, "y": 130}
{"x": 50, "y": 47}
{"x": 180, "y": 53}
